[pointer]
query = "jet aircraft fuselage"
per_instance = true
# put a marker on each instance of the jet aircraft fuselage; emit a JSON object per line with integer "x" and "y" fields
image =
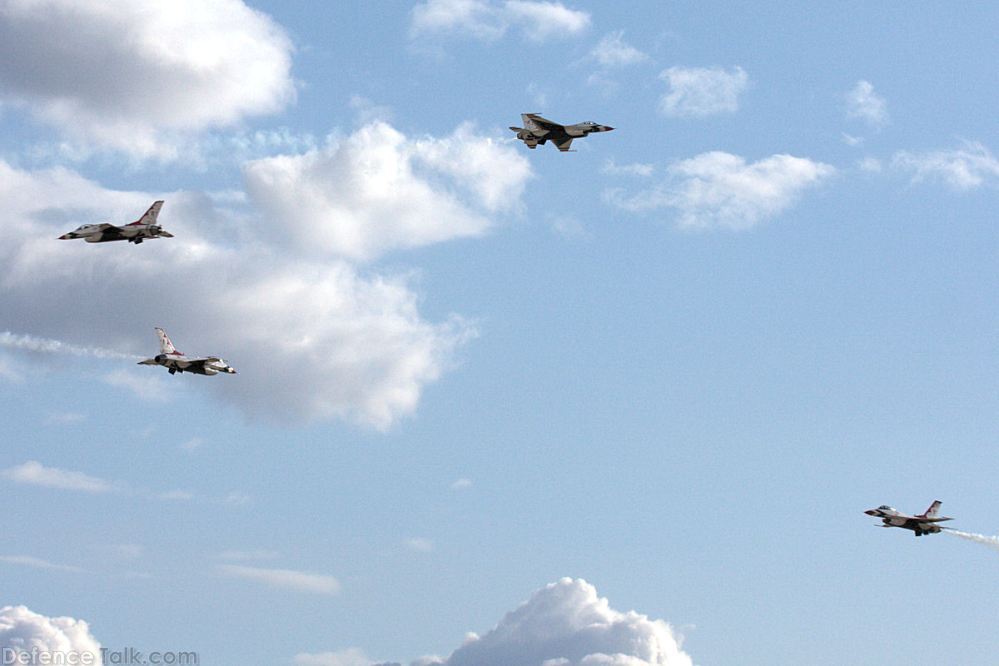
{"x": 924, "y": 523}
{"x": 538, "y": 130}
{"x": 144, "y": 228}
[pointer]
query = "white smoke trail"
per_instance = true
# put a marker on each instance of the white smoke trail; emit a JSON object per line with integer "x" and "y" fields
{"x": 47, "y": 346}
{"x": 991, "y": 541}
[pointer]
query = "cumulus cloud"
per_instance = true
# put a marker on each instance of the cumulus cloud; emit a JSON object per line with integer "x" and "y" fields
{"x": 279, "y": 293}
{"x": 964, "y": 168}
{"x": 864, "y": 104}
{"x": 695, "y": 92}
{"x": 718, "y": 189}
{"x": 613, "y": 51}
{"x": 567, "y": 623}
{"x": 133, "y": 75}
{"x": 286, "y": 579}
{"x": 563, "y": 624}
{"x": 24, "y": 632}
{"x": 376, "y": 190}
{"x": 33, "y": 473}
{"x": 486, "y": 20}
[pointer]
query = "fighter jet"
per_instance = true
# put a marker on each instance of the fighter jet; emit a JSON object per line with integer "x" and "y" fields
{"x": 175, "y": 361}
{"x": 135, "y": 232}
{"x": 924, "y": 523}
{"x": 541, "y": 130}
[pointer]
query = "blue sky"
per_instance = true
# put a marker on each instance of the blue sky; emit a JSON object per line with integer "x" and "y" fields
{"x": 677, "y": 364}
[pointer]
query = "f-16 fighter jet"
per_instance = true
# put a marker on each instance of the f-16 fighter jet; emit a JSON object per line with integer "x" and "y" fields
{"x": 541, "y": 130}
{"x": 175, "y": 361}
{"x": 924, "y": 523}
{"x": 143, "y": 228}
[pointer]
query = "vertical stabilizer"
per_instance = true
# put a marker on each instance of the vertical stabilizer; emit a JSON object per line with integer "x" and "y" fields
{"x": 933, "y": 511}
{"x": 166, "y": 347}
{"x": 149, "y": 217}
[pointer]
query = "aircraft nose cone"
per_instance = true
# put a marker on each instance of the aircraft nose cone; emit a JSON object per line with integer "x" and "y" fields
{"x": 66, "y": 236}
{"x": 871, "y": 512}
{"x": 607, "y": 128}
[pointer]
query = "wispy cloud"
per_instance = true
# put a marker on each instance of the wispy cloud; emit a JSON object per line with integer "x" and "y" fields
{"x": 246, "y": 555}
{"x": 420, "y": 544}
{"x": 864, "y": 104}
{"x": 287, "y": 579}
{"x": 37, "y": 563}
{"x": 461, "y": 484}
{"x": 696, "y": 92}
{"x": 613, "y": 51}
{"x": 348, "y": 657}
{"x": 612, "y": 168}
{"x": 176, "y": 496}
{"x": 486, "y": 20}
{"x": 964, "y": 168}
{"x": 34, "y": 473}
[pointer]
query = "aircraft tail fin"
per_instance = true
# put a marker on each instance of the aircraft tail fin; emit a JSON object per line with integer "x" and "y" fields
{"x": 933, "y": 511}
{"x": 166, "y": 347}
{"x": 149, "y": 217}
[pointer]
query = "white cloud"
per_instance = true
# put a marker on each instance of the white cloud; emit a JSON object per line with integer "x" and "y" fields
{"x": 541, "y": 20}
{"x": 245, "y": 555}
{"x": 34, "y": 473}
{"x": 695, "y": 92}
{"x": 420, "y": 544}
{"x": 313, "y": 337}
{"x": 236, "y": 498}
{"x": 718, "y": 189}
{"x": 851, "y": 140}
{"x": 286, "y": 579}
{"x": 566, "y": 623}
{"x": 377, "y": 190}
{"x": 569, "y": 228}
{"x": 461, "y": 484}
{"x": 66, "y": 418}
{"x": 145, "y": 385}
{"x": 642, "y": 169}
{"x": 133, "y": 75}
{"x": 349, "y": 657}
{"x": 870, "y": 165}
{"x": 176, "y": 496}
{"x": 964, "y": 168}
{"x": 613, "y": 51}
{"x": 865, "y": 104}
{"x": 37, "y": 563}
{"x": 24, "y": 631}
{"x": 192, "y": 444}
{"x": 486, "y": 20}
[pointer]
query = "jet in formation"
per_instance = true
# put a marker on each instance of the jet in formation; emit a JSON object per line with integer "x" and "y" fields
{"x": 924, "y": 523}
{"x": 175, "y": 361}
{"x": 135, "y": 232}
{"x": 538, "y": 130}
